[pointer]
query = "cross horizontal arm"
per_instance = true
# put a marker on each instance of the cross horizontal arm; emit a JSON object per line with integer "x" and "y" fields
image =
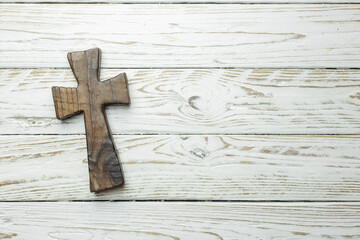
{"x": 115, "y": 90}
{"x": 66, "y": 102}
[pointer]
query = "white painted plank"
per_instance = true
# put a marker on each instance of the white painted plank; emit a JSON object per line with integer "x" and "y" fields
{"x": 186, "y": 167}
{"x": 182, "y": 35}
{"x": 155, "y": 220}
{"x": 254, "y": 101}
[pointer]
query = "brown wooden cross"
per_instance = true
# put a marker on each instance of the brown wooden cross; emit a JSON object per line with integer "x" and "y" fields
{"x": 91, "y": 96}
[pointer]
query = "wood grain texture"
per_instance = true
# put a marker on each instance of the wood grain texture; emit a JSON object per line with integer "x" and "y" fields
{"x": 181, "y": 221}
{"x": 195, "y": 101}
{"x": 90, "y": 97}
{"x": 181, "y": 35}
{"x": 186, "y": 101}
{"x": 186, "y": 167}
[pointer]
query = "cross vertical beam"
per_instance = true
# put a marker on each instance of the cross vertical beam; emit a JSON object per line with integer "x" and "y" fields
{"x": 91, "y": 96}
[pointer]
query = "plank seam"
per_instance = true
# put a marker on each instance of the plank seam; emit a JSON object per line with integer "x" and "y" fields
{"x": 185, "y": 134}
{"x": 192, "y": 200}
{"x": 190, "y": 3}
{"x": 186, "y": 68}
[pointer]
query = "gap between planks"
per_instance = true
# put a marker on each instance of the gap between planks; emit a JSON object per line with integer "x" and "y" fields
{"x": 188, "y": 68}
{"x": 189, "y": 134}
{"x": 187, "y": 201}
{"x": 164, "y": 2}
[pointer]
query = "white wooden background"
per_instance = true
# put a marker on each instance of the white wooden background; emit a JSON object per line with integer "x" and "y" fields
{"x": 244, "y": 122}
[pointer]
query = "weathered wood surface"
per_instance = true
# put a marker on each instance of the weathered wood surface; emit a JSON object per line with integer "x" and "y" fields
{"x": 90, "y": 97}
{"x": 186, "y": 101}
{"x": 159, "y": 167}
{"x": 180, "y": 35}
{"x": 185, "y": 221}
{"x": 195, "y": 101}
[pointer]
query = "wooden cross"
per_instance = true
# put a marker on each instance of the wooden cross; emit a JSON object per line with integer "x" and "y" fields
{"x": 91, "y": 96}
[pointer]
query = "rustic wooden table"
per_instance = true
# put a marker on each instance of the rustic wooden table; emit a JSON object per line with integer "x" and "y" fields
{"x": 244, "y": 121}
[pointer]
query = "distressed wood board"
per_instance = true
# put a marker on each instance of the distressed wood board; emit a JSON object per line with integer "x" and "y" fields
{"x": 262, "y": 168}
{"x": 182, "y": 35}
{"x": 167, "y": 220}
{"x": 195, "y": 101}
